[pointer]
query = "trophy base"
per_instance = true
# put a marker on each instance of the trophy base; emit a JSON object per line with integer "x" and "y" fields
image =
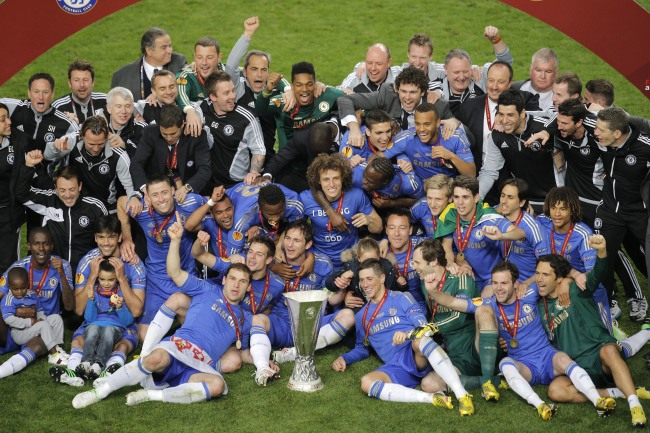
{"x": 312, "y": 386}
{"x": 305, "y": 378}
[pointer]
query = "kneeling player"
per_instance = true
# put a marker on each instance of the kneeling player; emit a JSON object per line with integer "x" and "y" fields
{"x": 185, "y": 364}
{"x": 406, "y": 362}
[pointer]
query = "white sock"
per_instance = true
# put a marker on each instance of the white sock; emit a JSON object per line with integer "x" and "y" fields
{"x": 16, "y": 363}
{"x": 260, "y": 347}
{"x": 161, "y": 323}
{"x": 582, "y": 382}
{"x": 131, "y": 374}
{"x": 633, "y": 401}
{"x": 75, "y": 358}
{"x": 186, "y": 393}
{"x": 330, "y": 334}
{"x": 634, "y": 343}
{"x": 615, "y": 393}
{"x": 117, "y": 357}
{"x": 442, "y": 365}
{"x": 399, "y": 393}
{"x": 518, "y": 383}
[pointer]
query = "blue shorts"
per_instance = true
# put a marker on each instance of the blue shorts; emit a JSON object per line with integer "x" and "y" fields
{"x": 176, "y": 373}
{"x": 152, "y": 303}
{"x": 280, "y": 330}
{"x": 10, "y": 346}
{"x": 130, "y": 334}
{"x": 541, "y": 368}
{"x": 403, "y": 370}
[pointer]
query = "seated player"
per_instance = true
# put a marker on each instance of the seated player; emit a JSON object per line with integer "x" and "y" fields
{"x": 296, "y": 242}
{"x": 48, "y": 327}
{"x": 386, "y": 329}
{"x": 531, "y": 359}
{"x": 107, "y": 318}
{"x": 184, "y": 365}
{"x": 332, "y": 196}
{"x": 471, "y": 344}
{"x": 426, "y": 211}
{"x": 577, "y": 329}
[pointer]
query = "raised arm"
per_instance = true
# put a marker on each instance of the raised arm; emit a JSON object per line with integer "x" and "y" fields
{"x": 175, "y": 232}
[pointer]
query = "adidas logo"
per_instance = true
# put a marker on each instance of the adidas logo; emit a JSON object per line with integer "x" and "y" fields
{"x": 504, "y": 145}
{"x": 79, "y": 159}
{"x": 21, "y": 128}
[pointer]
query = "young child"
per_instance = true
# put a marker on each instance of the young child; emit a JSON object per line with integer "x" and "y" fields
{"x": 49, "y": 328}
{"x": 106, "y": 320}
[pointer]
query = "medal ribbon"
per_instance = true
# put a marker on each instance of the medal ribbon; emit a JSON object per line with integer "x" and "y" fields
{"x": 367, "y": 326}
{"x": 288, "y": 287}
{"x": 251, "y": 295}
{"x": 407, "y": 259}
{"x": 434, "y": 307}
{"x": 41, "y": 283}
{"x": 515, "y": 326}
{"x": 550, "y": 320}
{"x": 507, "y": 245}
{"x": 157, "y": 230}
{"x": 461, "y": 242}
{"x": 220, "y": 246}
{"x": 234, "y": 318}
{"x": 339, "y": 207}
{"x": 488, "y": 115}
{"x": 564, "y": 244}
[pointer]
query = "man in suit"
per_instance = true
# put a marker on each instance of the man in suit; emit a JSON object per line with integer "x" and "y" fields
{"x": 156, "y": 47}
{"x": 165, "y": 148}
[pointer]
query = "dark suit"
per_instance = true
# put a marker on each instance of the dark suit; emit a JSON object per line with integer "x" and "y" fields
{"x": 129, "y": 75}
{"x": 151, "y": 156}
{"x": 385, "y": 99}
{"x": 472, "y": 113}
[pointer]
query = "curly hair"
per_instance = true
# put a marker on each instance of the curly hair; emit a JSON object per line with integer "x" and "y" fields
{"x": 412, "y": 75}
{"x": 562, "y": 194}
{"x": 324, "y": 162}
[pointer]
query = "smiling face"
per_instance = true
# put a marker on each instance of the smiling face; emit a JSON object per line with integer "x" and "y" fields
{"x": 503, "y": 287}
{"x": 162, "y": 197}
{"x": 379, "y": 135}
{"x": 68, "y": 190}
{"x": 398, "y": 232}
{"x": 303, "y": 86}
{"x": 566, "y": 126}
{"x": 509, "y": 202}
{"x": 108, "y": 244}
{"x": 5, "y": 123}
{"x": 561, "y": 216}
{"x": 40, "y": 95}
{"x": 295, "y": 245}
{"x": 419, "y": 56}
{"x": 465, "y": 203}
{"x": 161, "y": 53}
{"x": 40, "y": 246}
{"x": 206, "y": 59}
{"x": 165, "y": 89}
{"x": 512, "y": 122}
{"x": 331, "y": 182}
{"x": 258, "y": 257}
{"x": 257, "y": 72}
{"x": 106, "y": 280}
{"x": 459, "y": 73}
{"x": 224, "y": 97}
{"x": 437, "y": 201}
{"x": 410, "y": 96}
{"x": 121, "y": 111}
{"x": 223, "y": 213}
{"x": 372, "y": 284}
{"x": 377, "y": 65}
{"x": 235, "y": 285}
{"x": 498, "y": 80}
{"x": 421, "y": 266}
{"x": 94, "y": 143}
{"x": 426, "y": 126}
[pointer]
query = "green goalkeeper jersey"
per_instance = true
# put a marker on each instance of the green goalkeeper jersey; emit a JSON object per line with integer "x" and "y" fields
{"x": 577, "y": 329}
{"x": 190, "y": 86}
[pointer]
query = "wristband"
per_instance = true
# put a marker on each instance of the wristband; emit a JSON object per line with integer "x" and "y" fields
{"x": 496, "y": 40}
{"x": 210, "y": 202}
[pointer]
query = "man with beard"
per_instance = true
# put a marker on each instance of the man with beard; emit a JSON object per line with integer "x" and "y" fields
{"x": 82, "y": 102}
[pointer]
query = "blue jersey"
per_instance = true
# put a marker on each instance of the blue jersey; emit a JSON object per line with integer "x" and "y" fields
{"x": 218, "y": 236}
{"x": 402, "y": 185}
{"x": 524, "y": 252}
{"x": 50, "y": 292}
{"x": 404, "y": 266}
{"x": 409, "y": 144}
{"x": 332, "y": 242}
{"x": 156, "y": 263}
{"x": 314, "y": 281}
{"x": 273, "y": 295}
{"x": 483, "y": 253}
{"x": 10, "y": 303}
{"x": 101, "y": 311}
{"x": 136, "y": 274}
{"x": 580, "y": 255}
{"x": 252, "y": 216}
{"x": 400, "y": 312}
{"x": 421, "y": 214}
{"x": 532, "y": 339}
{"x": 365, "y": 151}
{"x": 209, "y": 322}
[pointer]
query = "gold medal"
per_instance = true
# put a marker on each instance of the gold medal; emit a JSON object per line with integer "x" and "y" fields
{"x": 366, "y": 342}
{"x": 514, "y": 343}
{"x": 238, "y": 344}
{"x": 159, "y": 238}
{"x": 460, "y": 256}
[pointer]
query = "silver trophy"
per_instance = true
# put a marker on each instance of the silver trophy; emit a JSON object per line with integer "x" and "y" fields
{"x": 305, "y": 310}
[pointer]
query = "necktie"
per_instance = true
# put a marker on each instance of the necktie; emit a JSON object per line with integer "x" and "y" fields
{"x": 405, "y": 121}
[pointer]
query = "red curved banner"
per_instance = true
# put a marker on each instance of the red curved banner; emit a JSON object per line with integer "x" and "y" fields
{"x": 31, "y": 28}
{"x": 616, "y": 31}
